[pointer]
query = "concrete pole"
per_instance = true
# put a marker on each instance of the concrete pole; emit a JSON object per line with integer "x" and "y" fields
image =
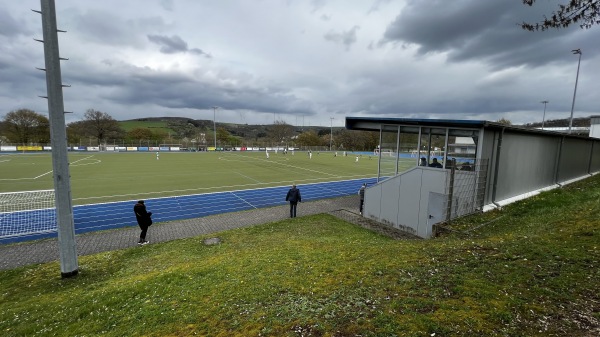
{"x": 58, "y": 135}
{"x": 215, "y": 124}
{"x": 575, "y": 51}
{"x": 544, "y": 116}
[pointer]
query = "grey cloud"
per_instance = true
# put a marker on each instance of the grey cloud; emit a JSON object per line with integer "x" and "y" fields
{"x": 107, "y": 28}
{"x": 169, "y": 45}
{"x": 376, "y": 5}
{"x": 125, "y": 84}
{"x": 174, "y": 44}
{"x": 167, "y": 5}
{"x": 11, "y": 27}
{"x": 346, "y": 38}
{"x": 481, "y": 30}
{"x": 317, "y": 4}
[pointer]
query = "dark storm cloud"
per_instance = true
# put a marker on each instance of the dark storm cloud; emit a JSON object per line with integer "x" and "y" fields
{"x": 130, "y": 85}
{"x": 483, "y": 30}
{"x": 174, "y": 44}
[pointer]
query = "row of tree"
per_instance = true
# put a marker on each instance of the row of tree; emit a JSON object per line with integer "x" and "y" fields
{"x": 26, "y": 127}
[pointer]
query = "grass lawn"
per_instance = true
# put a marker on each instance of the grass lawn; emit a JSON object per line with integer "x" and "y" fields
{"x": 100, "y": 177}
{"x": 530, "y": 269}
{"x": 154, "y": 125}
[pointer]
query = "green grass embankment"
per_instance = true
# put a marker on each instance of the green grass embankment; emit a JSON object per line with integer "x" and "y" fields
{"x": 528, "y": 270}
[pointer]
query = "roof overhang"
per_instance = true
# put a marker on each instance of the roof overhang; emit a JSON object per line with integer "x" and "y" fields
{"x": 375, "y": 124}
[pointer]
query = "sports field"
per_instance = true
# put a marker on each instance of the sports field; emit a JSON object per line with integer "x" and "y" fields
{"x": 98, "y": 177}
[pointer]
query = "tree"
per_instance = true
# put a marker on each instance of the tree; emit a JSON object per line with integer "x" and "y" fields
{"x": 26, "y": 126}
{"x": 281, "y": 132}
{"x": 184, "y": 129}
{"x": 222, "y": 135}
{"x": 309, "y": 138}
{"x": 139, "y": 134}
{"x": 586, "y": 13}
{"x": 101, "y": 125}
{"x": 504, "y": 121}
{"x": 75, "y": 132}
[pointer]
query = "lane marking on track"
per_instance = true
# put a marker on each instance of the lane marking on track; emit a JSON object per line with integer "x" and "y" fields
{"x": 224, "y": 188}
{"x": 220, "y": 189}
{"x": 242, "y": 199}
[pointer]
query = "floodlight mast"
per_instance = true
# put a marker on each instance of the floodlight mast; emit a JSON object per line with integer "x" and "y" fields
{"x": 331, "y": 134}
{"x": 215, "y": 125}
{"x": 575, "y": 51}
{"x": 544, "y": 116}
{"x": 60, "y": 163}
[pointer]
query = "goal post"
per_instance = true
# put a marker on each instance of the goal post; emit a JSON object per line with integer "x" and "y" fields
{"x": 27, "y": 213}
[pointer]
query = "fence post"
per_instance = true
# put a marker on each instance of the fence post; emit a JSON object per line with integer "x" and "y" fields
{"x": 450, "y": 190}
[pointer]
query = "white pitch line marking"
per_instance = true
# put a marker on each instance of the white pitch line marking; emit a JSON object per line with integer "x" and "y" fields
{"x": 288, "y": 165}
{"x": 245, "y": 176}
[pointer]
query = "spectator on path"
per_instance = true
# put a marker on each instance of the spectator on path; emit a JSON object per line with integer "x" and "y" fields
{"x": 361, "y": 193}
{"x": 435, "y": 163}
{"x": 294, "y": 197}
{"x": 144, "y": 220}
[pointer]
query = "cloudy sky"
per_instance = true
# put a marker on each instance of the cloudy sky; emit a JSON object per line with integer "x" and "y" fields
{"x": 301, "y": 61}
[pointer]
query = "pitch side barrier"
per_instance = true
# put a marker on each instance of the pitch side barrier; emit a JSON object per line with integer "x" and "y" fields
{"x": 161, "y": 148}
{"x": 94, "y": 217}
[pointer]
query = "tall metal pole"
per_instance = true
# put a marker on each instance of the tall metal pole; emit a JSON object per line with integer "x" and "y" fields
{"x": 544, "y": 116}
{"x": 58, "y": 134}
{"x": 575, "y": 51}
{"x": 331, "y": 134}
{"x": 215, "y": 124}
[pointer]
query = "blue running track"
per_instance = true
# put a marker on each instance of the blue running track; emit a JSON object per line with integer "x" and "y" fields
{"x": 95, "y": 217}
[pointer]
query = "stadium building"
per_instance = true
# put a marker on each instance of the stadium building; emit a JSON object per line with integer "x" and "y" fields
{"x": 484, "y": 165}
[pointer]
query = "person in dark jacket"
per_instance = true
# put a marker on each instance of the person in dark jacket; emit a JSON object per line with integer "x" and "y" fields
{"x": 294, "y": 197}
{"x": 143, "y": 219}
{"x": 435, "y": 163}
{"x": 361, "y": 193}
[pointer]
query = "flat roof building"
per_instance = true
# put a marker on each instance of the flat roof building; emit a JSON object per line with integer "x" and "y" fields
{"x": 500, "y": 164}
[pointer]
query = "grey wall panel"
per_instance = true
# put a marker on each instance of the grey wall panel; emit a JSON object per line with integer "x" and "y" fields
{"x": 389, "y": 202}
{"x": 574, "y": 159}
{"x": 409, "y": 199}
{"x": 432, "y": 180}
{"x": 402, "y": 201}
{"x": 488, "y": 151}
{"x": 595, "y": 164}
{"x": 527, "y": 163}
{"x": 372, "y": 206}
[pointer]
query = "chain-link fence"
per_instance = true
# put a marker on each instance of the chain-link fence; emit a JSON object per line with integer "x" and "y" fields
{"x": 465, "y": 191}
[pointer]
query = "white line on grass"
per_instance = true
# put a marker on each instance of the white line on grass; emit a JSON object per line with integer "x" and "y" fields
{"x": 49, "y": 172}
{"x": 293, "y": 166}
{"x": 245, "y": 176}
{"x": 226, "y": 188}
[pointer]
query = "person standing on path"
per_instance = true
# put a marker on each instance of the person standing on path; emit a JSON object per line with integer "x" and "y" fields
{"x": 361, "y": 193}
{"x": 144, "y": 220}
{"x": 294, "y": 197}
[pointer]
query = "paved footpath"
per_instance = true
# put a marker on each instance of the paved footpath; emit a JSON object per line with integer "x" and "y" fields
{"x": 41, "y": 251}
